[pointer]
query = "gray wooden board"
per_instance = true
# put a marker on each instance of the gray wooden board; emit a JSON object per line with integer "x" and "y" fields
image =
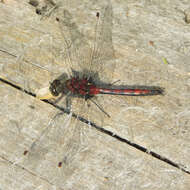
{"x": 143, "y": 34}
{"x": 104, "y": 164}
{"x": 16, "y": 177}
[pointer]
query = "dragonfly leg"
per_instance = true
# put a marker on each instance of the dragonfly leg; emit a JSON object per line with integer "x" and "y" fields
{"x": 100, "y": 108}
{"x": 68, "y": 102}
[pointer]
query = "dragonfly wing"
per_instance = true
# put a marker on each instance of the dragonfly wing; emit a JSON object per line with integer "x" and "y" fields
{"x": 82, "y": 55}
{"x": 56, "y": 150}
{"x": 76, "y": 46}
{"x": 102, "y": 61}
{"x": 33, "y": 65}
{"x": 53, "y": 133}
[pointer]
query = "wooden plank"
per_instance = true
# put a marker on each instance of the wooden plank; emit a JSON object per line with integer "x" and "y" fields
{"x": 158, "y": 123}
{"x": 104, "y": 163}
{"x": 16, "y": 177}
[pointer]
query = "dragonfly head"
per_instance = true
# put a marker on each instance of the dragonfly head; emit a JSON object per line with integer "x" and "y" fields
{"x": 58, "y": 85}
{"x": 55, "y": 87}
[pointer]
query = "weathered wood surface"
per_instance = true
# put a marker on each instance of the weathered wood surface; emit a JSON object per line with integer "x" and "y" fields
{"x": 143, "y": 34}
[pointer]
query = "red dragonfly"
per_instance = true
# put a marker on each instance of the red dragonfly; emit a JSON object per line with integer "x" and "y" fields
{"x": 86, "y": 88}
{"x": 89, "y": 73}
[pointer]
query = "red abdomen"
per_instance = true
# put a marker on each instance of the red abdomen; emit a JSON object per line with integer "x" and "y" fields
{"x": 128, "y": 92}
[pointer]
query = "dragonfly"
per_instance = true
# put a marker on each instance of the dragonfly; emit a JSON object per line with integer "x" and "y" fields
{"x": 90, "y": 69}
{"x": 86, "y": 83}
{"x": 86, "y": 88}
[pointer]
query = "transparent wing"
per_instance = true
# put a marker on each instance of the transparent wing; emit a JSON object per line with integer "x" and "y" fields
{"x": 76, "y": 47}
{"x": 103, "y": 59}
{"x": 36, "y": 63}
{"x": 55, "y": 152}
{"x": 82, "y": 55}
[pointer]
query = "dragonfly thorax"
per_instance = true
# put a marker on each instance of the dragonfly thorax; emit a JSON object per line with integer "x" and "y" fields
{"x": 80, "y": 87}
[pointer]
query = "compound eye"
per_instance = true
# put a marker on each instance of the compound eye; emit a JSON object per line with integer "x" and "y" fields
{"x": 53, "y": 88}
